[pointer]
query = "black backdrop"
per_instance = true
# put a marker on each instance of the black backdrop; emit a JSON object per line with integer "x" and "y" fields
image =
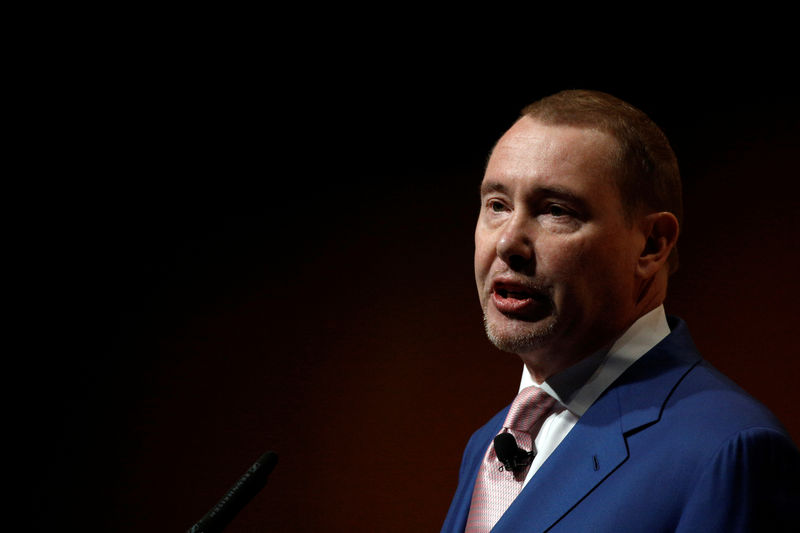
{"x": 232, "y": 249}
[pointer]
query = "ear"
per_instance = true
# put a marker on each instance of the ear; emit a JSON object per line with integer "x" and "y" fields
{"x": 661, "y": 234}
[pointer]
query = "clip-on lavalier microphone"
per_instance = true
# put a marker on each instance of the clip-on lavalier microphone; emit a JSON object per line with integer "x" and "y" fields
{"x": 512, "y": 456}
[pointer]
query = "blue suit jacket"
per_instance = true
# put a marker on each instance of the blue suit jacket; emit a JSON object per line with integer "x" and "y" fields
{"x": 672, "y": 445}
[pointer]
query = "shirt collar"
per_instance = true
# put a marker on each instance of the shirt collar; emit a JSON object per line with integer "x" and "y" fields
{"x": 578, "y": 386}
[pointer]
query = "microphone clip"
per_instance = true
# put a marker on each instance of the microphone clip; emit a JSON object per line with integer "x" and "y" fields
{"x": 514, "y": 458}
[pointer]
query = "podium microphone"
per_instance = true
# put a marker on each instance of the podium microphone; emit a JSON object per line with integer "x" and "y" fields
{"x": 238, "y": 496}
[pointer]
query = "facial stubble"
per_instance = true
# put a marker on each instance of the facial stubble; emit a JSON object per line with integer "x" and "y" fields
{"x": 519, "y": 342}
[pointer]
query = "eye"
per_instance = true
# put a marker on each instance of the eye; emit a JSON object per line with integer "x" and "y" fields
{"x": 556, "y": 210}
{"x": 496, "y": 206}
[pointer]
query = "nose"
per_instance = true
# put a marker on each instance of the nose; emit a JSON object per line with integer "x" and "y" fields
{"x": 515, "y": 245}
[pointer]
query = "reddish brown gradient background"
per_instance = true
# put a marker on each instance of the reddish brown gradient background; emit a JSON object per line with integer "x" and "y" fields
{"x": 243, "y": 272}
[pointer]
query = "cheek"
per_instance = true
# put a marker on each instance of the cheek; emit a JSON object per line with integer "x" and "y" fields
{"x": 578, "y": 271}
{"x": 484, "y": 250}
{"x": 561, "y": 258}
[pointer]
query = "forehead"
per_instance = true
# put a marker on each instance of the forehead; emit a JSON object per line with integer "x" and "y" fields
{"x": 542, "y": 154}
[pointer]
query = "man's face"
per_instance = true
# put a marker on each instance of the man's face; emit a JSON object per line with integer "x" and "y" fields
{"x": 555, "y": 256}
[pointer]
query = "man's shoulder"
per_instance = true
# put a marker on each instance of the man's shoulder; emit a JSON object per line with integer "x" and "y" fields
{"x": 714, "y": 403}
{"x": 677, "y": 390}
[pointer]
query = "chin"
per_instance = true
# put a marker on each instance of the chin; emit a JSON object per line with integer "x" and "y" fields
{"x": 517, "y": 336}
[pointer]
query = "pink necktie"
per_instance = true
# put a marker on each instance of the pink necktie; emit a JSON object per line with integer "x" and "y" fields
{"x": 495, "y": 489}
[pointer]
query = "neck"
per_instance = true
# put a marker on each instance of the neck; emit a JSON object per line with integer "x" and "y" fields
{"x": 652, "y": 293}
{"x": 545, "y": 363}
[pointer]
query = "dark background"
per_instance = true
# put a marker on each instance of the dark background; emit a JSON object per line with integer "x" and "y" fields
{"x": 234, "y": 249}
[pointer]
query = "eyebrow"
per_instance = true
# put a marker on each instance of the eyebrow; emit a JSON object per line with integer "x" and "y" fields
{"x": 547, "y": 192}
{"x": 560, "y": 192}
{"x": 492, "y": 186}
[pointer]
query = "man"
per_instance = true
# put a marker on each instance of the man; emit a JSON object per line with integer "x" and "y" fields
{"x": 620, "y": 425}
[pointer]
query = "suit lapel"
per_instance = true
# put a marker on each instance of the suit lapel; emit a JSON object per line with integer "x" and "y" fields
{"x": 593, "y": 449}
{"x": 596, "y": 446}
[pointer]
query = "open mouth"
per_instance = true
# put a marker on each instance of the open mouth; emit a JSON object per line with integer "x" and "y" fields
{"x": 515, "y": 291}
{"x": 520, "y": 300}
{"x": 514, "y": 294}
